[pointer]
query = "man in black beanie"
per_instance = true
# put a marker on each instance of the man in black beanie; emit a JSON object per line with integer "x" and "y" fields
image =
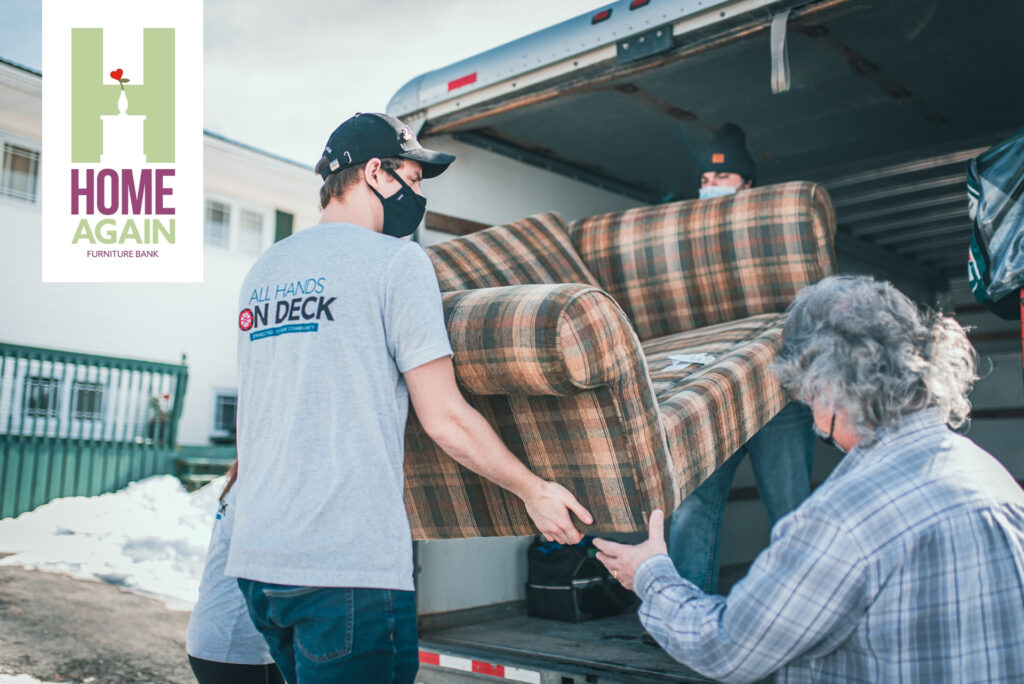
{"x": 726, "y": 166}
{"x": 780, "y": 453}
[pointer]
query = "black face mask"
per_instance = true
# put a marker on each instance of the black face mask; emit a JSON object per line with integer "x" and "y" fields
{"x": 403, "y": 211}
{"x": 829, "y": 440}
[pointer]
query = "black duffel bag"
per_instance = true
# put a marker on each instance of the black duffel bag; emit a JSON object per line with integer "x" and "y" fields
{"x": 569, "y": 583}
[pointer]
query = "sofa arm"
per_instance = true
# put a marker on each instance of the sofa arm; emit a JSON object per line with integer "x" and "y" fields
{"x": 538, "y": 339}
{"x": 685, "y": 265}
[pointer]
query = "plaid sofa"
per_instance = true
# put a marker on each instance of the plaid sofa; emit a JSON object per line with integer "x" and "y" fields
{"x": 564, "y": 338}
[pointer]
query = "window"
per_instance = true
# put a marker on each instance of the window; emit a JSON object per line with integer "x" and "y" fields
{"x": 224, "y": 413}
{"x": 41, "y": 397}
{"x": 87, "y": 400}
{"x": 20, "y": 175}
{"x": 218, "y": 223}
{"x": 237, "y": 226}
{"x": 250, "y": 234}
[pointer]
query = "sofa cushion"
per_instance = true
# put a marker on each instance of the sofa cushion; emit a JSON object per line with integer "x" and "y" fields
{"x": 711, "y": 406}
{"x": 684, "y": 265}
{"x": 534, "y": 250}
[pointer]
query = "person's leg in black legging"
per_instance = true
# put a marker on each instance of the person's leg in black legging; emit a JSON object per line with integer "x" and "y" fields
{"x": 274, "y": 675}
{"x": 210, "y": 672}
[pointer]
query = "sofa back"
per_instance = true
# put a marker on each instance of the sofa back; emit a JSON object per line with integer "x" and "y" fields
{"x": 534, "y": 250}
{"x": 684, "y": 265}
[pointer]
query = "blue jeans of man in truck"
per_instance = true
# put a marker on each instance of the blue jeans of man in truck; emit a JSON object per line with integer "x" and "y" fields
{"x": 781, "y": 454}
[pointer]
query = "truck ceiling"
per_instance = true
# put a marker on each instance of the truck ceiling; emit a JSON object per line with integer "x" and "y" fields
{"x": 912, "y": 86}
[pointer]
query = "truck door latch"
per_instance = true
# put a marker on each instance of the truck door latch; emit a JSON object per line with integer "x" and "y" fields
{"x": 643, "y": 45}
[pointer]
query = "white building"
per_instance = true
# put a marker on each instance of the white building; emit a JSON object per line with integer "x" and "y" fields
{"x": 251, "y": 199}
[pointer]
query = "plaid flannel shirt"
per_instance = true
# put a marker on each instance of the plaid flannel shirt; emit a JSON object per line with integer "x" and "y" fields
{"x": 906, "y": 565}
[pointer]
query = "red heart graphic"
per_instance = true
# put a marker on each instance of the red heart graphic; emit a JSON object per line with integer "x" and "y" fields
{"x": 116, "y": 75}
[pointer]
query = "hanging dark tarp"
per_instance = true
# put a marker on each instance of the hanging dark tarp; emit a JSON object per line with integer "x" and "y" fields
{"x": 995, "y": 193}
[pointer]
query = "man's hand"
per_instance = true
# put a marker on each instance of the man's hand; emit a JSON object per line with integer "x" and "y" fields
{"x": 548, "y": 504}
{"x": 622, "y": 560}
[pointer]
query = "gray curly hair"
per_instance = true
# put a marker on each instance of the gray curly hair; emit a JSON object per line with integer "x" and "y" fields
{"x": 861, "y": 345}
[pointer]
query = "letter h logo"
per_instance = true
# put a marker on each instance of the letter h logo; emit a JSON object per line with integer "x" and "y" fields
{"x": 122, "y": 123}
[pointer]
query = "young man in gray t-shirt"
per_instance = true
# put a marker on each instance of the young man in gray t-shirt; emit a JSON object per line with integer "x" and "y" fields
{"x": 340, "y": 326}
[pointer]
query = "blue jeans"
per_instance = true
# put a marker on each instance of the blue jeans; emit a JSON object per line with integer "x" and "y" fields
{"x": 331, "y": 635}
{"x": 781, "y": 454}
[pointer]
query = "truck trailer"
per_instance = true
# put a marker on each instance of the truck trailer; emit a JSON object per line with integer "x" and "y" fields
{"x": 883, "y": 103}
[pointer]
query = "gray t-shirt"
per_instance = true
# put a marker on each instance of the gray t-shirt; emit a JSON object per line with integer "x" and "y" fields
{"x": 329, "y": 320}
{"x": 220, "y": 628}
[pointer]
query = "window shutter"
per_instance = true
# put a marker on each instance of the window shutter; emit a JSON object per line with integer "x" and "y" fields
{"x": 283, "y": 225}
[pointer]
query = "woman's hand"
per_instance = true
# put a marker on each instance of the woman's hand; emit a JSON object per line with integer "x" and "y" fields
{"x": 622, "y": 560}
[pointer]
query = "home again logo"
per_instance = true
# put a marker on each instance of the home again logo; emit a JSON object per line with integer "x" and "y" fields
{"x": 112, "y": 120}
{"x": 122, "y": 127}
{"x": 122, "y": 171}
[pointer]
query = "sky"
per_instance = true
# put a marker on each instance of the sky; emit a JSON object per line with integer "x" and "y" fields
{"x": 281, "y": 75}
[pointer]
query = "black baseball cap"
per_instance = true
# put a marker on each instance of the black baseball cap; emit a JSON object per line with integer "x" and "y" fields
{"x": 365, "y": 136}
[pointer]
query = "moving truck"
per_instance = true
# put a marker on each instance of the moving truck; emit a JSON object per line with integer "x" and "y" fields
{"x": 883, "y": 102}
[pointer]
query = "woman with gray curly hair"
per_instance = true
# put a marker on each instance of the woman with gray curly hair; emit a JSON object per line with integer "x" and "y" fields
{"x": 907, "y": 564}
{"x": 859, "y": 352}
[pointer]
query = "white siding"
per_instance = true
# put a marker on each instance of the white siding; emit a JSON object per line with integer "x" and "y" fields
{"x": 157, "y": 322}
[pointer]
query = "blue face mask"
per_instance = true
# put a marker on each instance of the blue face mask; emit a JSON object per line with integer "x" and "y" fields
{"x": 711, "y": 191}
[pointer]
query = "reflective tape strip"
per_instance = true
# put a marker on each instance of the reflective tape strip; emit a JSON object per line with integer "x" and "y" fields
{"x": 517, "y": 675}
{"x": 452, "y": 662}
{"x": 466, "y": 80}
{"x": 456, "y": 663}
{"x": 488, "y": 669}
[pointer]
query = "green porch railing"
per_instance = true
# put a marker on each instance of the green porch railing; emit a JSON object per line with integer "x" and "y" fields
{"x": 82, "y": 424}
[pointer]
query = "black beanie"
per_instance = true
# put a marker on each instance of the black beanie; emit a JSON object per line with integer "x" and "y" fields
{"x": 727, "y": 153}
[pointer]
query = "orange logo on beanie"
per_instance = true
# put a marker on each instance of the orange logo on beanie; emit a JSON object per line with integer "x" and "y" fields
{"x": 717, "y": 158}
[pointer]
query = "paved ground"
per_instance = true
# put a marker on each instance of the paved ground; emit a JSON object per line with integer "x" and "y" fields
{"x": 59, "y": 629}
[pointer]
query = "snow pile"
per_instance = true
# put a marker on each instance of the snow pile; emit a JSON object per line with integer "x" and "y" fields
{"x": 150, "y": 538}
{"x": 20, "y": 679}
